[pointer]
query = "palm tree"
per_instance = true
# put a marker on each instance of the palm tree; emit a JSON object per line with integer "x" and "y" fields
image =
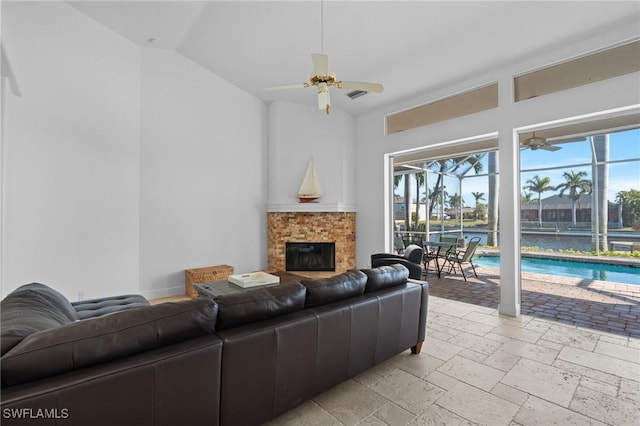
{"x": 396, "y": 183}
{"x": 455, "y": 202}
{"x": 419, "y": 183}
{"x": 437, "y": 197}
{"x": 539, "y": 185}
{"x": 630, "y": 202}
{"x": 492, "y": 207}
{"x": 479, "y": 196}
{"x": 577, "y": 185}
{"x": 407, "y": 201}
{"x": 451, "y": 165}
{"x": 526, "y": 198}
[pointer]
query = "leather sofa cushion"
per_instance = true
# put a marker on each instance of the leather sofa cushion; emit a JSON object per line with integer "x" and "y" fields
{"x": 385, "y": 276}
{"x": 31, "y": 308}
{"x": 255, "y": 305}
{"x": 97, "y": 340}
{"x": 342, "y": 286}
{"x": 107, "y": 305}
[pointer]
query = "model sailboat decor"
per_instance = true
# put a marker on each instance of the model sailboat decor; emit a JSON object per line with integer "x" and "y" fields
{"x": 310, "y": 190}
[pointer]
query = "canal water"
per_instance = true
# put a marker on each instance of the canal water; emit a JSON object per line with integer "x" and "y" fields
{"x": 558, "y": 240}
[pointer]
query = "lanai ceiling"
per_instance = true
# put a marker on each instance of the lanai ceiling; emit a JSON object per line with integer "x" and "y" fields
{"x": 409, "y": 46}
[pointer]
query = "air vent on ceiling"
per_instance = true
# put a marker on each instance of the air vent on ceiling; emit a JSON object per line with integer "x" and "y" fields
{"x": 357, "y": 94}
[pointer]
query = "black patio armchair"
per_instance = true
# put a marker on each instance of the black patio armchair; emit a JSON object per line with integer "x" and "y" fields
{"x": 411, "y": 259}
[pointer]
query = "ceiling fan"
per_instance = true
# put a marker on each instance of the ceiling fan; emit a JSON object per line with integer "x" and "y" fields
{"x": 537, "y": 142}
{"x": 323, "y": 79}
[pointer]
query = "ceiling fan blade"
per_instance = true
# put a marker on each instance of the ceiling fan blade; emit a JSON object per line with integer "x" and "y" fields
{"x": 287, "y": 86}
{"x": 550, "y": 147}
{"x": 568, "y": 140}
{"x": 359, "y": 85}
{"x": 320, "y": 64}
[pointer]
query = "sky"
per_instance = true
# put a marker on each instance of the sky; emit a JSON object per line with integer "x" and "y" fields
{"x": 622, "y": 177}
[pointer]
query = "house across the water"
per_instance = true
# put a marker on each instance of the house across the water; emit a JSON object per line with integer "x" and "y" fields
{"x": 557, "y": 211}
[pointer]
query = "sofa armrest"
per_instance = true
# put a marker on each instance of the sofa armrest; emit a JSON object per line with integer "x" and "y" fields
{"x": 424, "y": 309}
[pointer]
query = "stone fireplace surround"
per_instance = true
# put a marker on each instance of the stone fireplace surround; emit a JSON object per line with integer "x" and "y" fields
{"x": 310, "y": 224}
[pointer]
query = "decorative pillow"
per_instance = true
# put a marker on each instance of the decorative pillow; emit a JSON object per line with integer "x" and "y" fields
{"x": 96, "y": 340}
{"x": 255, "y": 305}
{"x": 31, "y": 308}
{"x": 341, "y": 286}
{"x": 385, "y": 276}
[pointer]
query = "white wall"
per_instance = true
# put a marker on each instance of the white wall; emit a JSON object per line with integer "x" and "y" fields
{"x": 203, "y": 176}
{"x": 299, "y": 132}
{"x": 122, "y": 166}
{"x": 71, "y": 153}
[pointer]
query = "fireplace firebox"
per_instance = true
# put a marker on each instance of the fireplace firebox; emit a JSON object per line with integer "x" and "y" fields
{"x": 310, "y": 256}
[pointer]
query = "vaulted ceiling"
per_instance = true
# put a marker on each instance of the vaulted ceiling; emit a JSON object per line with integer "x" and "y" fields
{"x": 409, "y": 46}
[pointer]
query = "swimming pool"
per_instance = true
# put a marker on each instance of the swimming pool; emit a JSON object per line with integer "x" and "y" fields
{"x": 587, "y": 270}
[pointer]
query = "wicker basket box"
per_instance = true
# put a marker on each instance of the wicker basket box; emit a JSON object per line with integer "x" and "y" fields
{"x": 203, "y": 275}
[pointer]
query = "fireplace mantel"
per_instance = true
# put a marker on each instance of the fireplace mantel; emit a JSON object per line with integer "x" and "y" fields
{"x": 310, "y": 207}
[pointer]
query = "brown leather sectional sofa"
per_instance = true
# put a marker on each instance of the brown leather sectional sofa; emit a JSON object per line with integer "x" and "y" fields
{"x": 242, "y": 359}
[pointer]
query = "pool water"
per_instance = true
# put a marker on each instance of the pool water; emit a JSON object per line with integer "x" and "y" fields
{"x": 591, "y": 271}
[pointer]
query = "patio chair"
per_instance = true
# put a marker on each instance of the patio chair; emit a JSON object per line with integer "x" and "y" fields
{"x": 411, "y": 259}
{"x": 459, "y": 257}
{"x": 398, "y": 245}
{"x": 437, "y": 253}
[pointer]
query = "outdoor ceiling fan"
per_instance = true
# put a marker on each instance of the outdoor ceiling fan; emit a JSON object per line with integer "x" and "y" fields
{"x": 537, "y": 142}
{"x": 322, "y": 78}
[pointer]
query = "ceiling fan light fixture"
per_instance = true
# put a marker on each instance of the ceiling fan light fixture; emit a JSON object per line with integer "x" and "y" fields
{"x": 323, "y": 98}
{"x": 536, "y": 140}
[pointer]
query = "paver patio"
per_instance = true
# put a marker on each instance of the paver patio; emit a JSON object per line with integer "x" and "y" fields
{"x": 598, "y": 305}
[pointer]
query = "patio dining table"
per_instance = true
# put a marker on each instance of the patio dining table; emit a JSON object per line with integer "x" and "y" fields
{"x": 441, "y": 248}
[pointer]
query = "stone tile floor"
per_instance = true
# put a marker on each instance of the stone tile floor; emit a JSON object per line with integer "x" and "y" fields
{"x": 548, "y": 366}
